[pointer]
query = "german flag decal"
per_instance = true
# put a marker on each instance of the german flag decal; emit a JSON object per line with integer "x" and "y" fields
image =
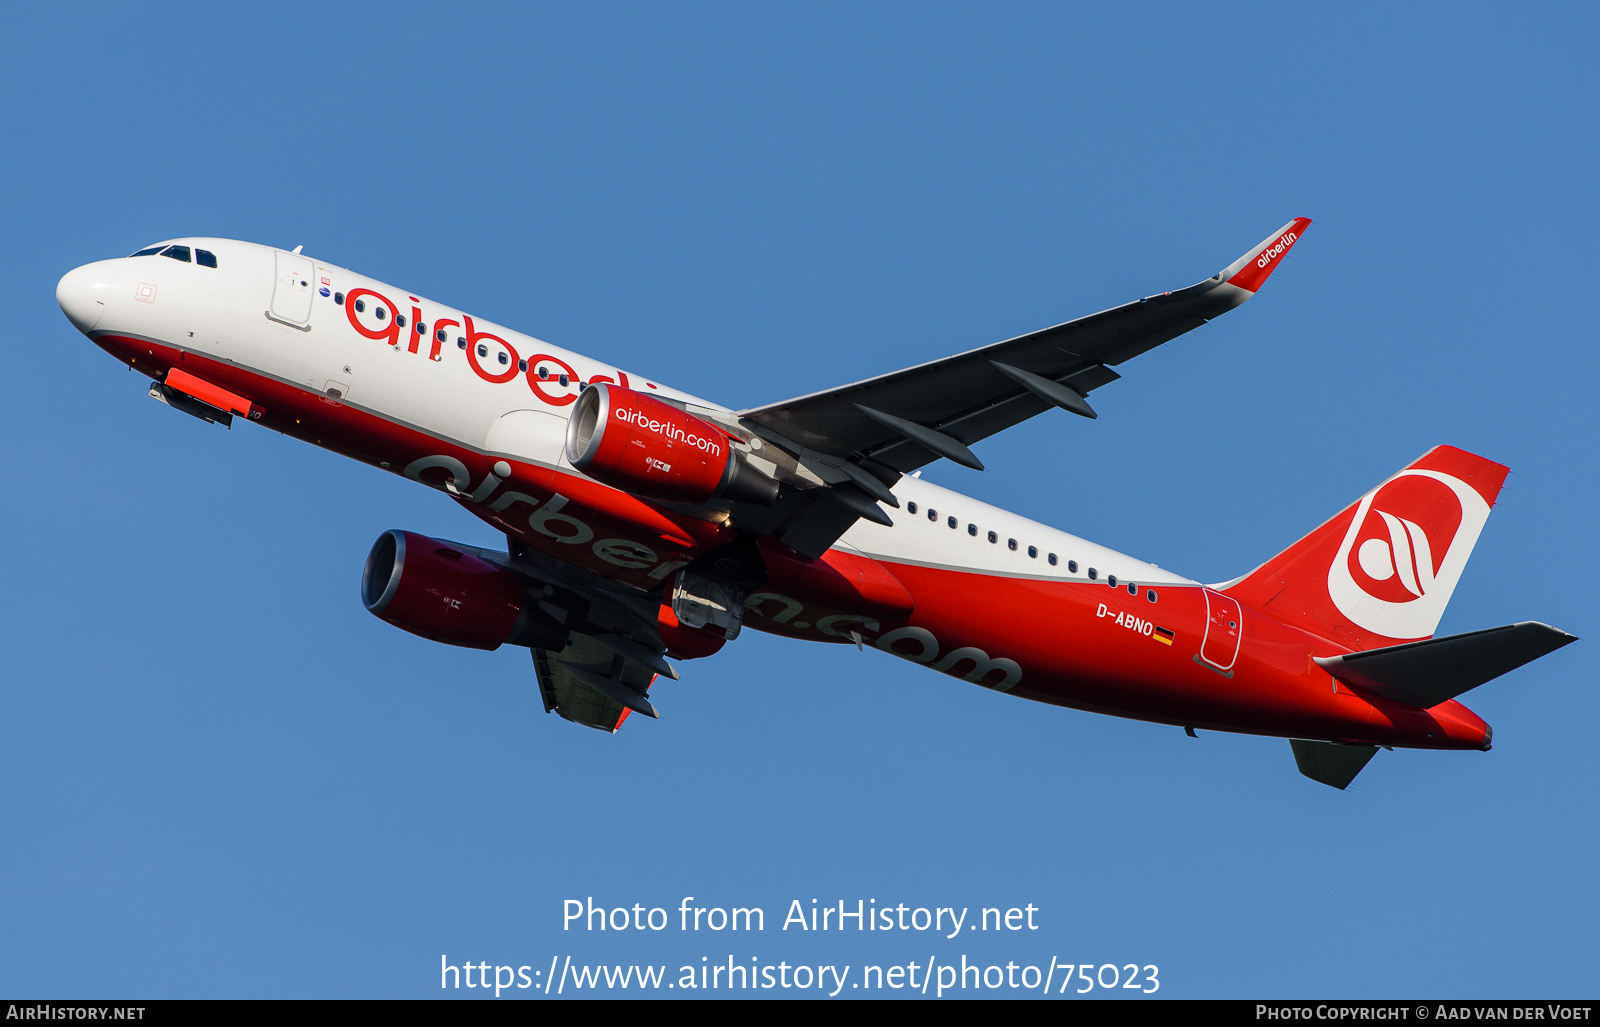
{"x": 1163, "y": 635}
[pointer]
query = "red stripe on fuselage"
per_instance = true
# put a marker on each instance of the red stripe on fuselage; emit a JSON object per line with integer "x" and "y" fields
{"x": 1067, "y": 650}
{"x": 606, "y": 515}
{"x": 1072, "y": 652}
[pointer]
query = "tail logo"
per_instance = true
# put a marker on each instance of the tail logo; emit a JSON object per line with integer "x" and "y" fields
{"x": 1407, "y": 555}
{"x": 1404, "y": 551}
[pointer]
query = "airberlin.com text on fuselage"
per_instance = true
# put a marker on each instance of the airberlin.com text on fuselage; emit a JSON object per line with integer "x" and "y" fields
{"x": 953, "y": 583}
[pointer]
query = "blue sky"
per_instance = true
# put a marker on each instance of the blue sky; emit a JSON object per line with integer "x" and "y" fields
{"x": 222, "y": 777}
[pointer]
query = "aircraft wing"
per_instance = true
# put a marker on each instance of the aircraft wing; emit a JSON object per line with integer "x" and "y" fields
{"x": 588, "y": 684}
{"x": 909, "y": 418}
{"x": 611, "y": 650}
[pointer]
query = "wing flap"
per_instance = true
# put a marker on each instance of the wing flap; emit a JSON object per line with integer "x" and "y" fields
{"x": 1129, "y": 350}
{"x": 568, "y": 682}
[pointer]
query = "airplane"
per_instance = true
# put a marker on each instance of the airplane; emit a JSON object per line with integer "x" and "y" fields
{"x": 642, "y": 522}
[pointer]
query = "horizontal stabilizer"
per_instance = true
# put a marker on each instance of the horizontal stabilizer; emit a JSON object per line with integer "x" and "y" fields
{"x": 1427, "y": 673}
{"x": 1331, "y": 764}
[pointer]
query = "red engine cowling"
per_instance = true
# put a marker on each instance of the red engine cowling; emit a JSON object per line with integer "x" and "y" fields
{"x": 432, "y": 589}
{"x": 639, "y": 444}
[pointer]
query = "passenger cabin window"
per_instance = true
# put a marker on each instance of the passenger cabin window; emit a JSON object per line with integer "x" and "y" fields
{"x": 1052, "y": 559}
{"x": 1093, "y": 574}
{"x": 361, "y": 306}
{"x": 148, "y": 251}
{"x": 1150, "y": 594}
{"x": 177, "y": 253}
{"x": 1011, "y": 544}
{"x": 1072, "y": 566}
{"x": 951, "y": 521}
{"x": 338, "y": 298}
{"x": 205, "y": 258}
{"x": 993, "y": 537}
{"x": 1133, "y": 589}
{"x": 972, "y": 529}
{"x": 910, "y": 507}
{"x": 933, "y": 515}
{"x": 1111, "y": 579}
{"x": 1033, "y": 551}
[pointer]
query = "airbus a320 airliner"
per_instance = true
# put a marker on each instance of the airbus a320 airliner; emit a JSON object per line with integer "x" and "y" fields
{"x": 644, "y": 523}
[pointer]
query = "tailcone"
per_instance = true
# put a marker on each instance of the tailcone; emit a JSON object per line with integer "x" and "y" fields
{"x": 1460, "y": 728}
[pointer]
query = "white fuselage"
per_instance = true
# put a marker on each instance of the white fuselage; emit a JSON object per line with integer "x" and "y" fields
{"x": 253, "y": 311}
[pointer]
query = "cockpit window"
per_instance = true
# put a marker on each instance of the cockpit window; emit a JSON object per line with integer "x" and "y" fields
{"x": 149, "y": 251}
{"x": 177, "y": 253}
{"x": 205, "y": 258}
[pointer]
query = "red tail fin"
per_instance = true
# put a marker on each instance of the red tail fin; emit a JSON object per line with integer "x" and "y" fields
{"x": 1382, "y": 571}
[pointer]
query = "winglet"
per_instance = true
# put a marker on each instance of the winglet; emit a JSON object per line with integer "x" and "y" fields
{"x": 1250, "y": 270}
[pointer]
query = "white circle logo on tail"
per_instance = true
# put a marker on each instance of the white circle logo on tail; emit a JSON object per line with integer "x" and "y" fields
{"x": 1404, "y": 551}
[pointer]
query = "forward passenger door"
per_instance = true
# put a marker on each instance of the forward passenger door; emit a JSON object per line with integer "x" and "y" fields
{"x": 293, "y": 290}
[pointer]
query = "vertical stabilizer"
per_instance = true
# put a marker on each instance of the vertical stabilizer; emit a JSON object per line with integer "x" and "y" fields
{"x": 1382, "y": 571}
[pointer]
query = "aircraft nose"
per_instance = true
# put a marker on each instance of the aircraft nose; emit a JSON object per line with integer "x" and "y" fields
{"x": 84, "y": 292}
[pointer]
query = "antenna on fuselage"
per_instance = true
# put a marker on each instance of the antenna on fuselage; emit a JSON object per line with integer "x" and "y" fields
{"x": 297, "y": 249}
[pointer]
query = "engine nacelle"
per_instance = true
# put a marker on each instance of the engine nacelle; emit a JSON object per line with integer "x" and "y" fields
{"x": 639, "y": 444}
{"x": 432, "y": 589}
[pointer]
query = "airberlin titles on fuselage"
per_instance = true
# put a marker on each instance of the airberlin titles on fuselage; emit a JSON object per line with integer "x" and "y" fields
{"x": 941, "y": 597}
{"x": 536, "y": 368}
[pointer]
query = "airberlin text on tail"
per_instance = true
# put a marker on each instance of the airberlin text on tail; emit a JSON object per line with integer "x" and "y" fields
{"x": 1382, "y": 571}
{"x": 1252, "y": 269}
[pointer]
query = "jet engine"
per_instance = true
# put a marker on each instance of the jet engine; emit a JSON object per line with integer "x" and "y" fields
{"x": 432, "y": 589}
{"x": 642, "y": 445}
